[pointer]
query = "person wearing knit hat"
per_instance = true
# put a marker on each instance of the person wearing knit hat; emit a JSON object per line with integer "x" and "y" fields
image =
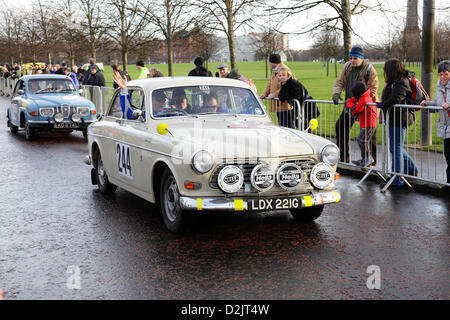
{"x": 356, "y": 70}
{"x": 357, "y": 52}
{"x": 143, "y": 71}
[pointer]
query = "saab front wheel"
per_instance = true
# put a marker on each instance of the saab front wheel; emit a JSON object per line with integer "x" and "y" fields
{"x": 307, "y": 214}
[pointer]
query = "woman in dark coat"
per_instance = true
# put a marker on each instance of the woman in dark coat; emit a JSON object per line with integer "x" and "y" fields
{"x": 396, "y": 91}
{"x": 292, "y": 89}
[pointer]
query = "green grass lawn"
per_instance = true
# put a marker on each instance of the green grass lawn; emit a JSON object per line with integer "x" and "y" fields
{"x": 312, "y": 75}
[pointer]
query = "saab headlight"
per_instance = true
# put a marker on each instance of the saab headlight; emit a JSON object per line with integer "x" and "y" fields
{"x": 83, "y": 111}
{"x": 329, "y": 154}
{"x": 322, "y": 175}
{"x": 59, "y": 117}
{"x": 202, "y": 161}
{"x": 75, "y": 117}
{"x": 46, "y": 112}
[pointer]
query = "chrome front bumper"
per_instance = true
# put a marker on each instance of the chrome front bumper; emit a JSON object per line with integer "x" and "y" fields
{"x": 242, "y": 204}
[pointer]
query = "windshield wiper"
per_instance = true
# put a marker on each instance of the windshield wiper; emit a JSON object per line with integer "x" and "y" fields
{"x": 65, "y": 90}
{"x": 210, "y": 112}
{"x": 44, "y": 91}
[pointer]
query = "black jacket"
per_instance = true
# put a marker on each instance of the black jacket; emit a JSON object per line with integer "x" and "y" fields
{"x": 200, "y": 72}
{"x": 396, "y": 93}
{"x": 97, "y": 80}
{"x": 293, "y": 89}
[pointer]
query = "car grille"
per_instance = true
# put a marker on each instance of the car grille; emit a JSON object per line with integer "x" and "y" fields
{"x": 66, "y": 110}
{"x": 305, "y": 164}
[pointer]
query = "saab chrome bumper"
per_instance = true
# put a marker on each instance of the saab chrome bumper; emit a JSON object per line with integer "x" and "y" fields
{"x": 261, "y": 203}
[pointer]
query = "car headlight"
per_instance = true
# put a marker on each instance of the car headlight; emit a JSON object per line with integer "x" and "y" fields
{"x": 46, "y": 112}
{"x": 59, "y": 117}
{"x": 83, "y": 111}
{"x": 322, "y": 175}
{"x": 329, "y": 154}
{"x": 202, "y": 161}
{"x": 75, "y": 117}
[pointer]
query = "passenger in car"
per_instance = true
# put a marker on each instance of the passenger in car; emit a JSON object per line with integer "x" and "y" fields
{"x": 210, "y": 104}
{"x": 179, "y": 101}
{"x": 158, "y": 102}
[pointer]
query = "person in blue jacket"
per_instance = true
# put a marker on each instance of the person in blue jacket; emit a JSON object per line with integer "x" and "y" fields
{"x": 125, "y": 97}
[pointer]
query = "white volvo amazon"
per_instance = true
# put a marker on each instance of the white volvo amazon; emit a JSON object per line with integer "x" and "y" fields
{"x": 194, "y": 144}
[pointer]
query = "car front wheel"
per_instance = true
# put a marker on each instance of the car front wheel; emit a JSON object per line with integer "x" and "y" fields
{"x": 174, "y": 218}
{"x": 307, "y": 214}
{"x": 12, "y": 127}
{"x": 102, "y": 178}
{"x": 29, "y": 132}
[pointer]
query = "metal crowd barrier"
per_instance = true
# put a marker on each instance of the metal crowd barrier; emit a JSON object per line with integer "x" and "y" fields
{"x": 7, "y": 86}
{"x": 100, "y": 96}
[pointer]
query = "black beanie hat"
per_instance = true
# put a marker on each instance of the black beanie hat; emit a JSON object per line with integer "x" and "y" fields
{"x": 198, "y": 61}
{"x": 140, "y": 63}
{"x": 275, "y": 58}
{"x": 358, "y": 89}
{"x": 444, "y": 66}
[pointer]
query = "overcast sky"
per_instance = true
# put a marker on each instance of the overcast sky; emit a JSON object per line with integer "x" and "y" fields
{"x": 370, "y": 27}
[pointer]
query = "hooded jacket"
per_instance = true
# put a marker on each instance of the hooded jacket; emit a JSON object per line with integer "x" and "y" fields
{"x": 442, "y": 95}
{"x": 367, "y": 115}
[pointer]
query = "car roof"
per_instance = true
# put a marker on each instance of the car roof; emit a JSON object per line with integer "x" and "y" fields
{"x": 151, "y": 83}
{"x": 45, "y": 76}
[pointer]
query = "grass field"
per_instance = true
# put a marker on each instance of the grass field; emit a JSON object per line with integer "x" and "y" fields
{"x": 311, "y": 74}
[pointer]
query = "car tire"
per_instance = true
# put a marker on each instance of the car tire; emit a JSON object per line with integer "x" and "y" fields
{"x": 175, "y": 219}
{"x": 85, "y": 135}
{"x": 307, "y": 214}
{"x": 12, "y": 127}
{"x": 29, "y": 132}
{"x": 103, "y": 183}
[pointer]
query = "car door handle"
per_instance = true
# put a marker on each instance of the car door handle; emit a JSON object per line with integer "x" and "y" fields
{"x": 149, "y": 140}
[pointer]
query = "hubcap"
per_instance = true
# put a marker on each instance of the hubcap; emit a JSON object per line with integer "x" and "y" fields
{"x": 101, "y": 172}
{"x": 171, "y": 200}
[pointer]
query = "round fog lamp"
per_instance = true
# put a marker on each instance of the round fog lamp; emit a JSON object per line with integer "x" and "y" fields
{"x": 322, "y": 175}
{"x": 230, "y": 179}
{"x": 76, "y": 117}
{"x": 59, "y": 117}
{"x": 262, "y": 177}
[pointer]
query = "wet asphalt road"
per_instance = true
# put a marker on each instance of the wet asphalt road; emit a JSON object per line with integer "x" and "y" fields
{"x": 51, "y": 217}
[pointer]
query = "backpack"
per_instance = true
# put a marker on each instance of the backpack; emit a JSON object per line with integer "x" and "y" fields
{"x": 417, "y": 96}
{"x": 418, "y": 91}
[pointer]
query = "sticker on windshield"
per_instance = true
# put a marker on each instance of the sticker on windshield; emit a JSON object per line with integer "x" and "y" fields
{"x": 204, "y": 88}
{"x": 124, "y": 160}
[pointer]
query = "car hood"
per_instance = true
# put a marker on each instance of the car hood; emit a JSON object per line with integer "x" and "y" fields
{"x": 241, "y": 138}
{"x": 58, "y": 99}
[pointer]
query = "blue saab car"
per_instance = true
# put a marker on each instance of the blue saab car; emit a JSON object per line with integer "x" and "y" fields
{"x": 49, "y": 103}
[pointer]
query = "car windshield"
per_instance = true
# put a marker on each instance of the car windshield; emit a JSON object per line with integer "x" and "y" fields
{"x": 204, "y": 100}
{"x": 50, "y": 85}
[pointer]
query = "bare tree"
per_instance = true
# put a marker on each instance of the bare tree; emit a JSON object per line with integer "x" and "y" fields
{"x": 93, "y": 23}
{"x": 441, "y": 40}
{"x": 228, "y": 16}
{"x": 127, "y": 21}
{"x": 7, "y": 31}
{"x": 204, "y": 42}
{"x": 46, "y": 32}
{"x": 170, "y": 17}
{"x": 327, "y": 45}
{"x": 339, "y": 18}
{"x": 265, "y": 43}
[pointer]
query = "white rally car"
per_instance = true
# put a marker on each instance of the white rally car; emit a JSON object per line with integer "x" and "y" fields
{"x": 195, "y": 144}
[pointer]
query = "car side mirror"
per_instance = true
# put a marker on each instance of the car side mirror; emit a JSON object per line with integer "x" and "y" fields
{"x": 81, "y": 91}
{"x": 137, "y": 114}
{"x": 20, "y": 92}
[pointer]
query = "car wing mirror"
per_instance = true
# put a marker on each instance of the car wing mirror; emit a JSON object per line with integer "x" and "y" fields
{"x": 20, "y": 92}
{"x": 138, "y": 114}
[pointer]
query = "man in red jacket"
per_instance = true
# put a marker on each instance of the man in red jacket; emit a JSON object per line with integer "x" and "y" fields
{"x": 367, "y": 116}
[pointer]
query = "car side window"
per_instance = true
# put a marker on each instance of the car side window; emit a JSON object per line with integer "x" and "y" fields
{"x": 19, "y": 86}
{"x": 123, "y": 105}
{"x": 116, "y": 109}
